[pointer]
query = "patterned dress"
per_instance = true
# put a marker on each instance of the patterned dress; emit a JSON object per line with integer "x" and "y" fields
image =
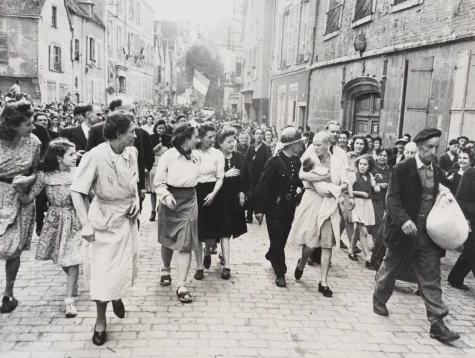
{"x": 60, "y": 239}
{"x": 16, "y": 220}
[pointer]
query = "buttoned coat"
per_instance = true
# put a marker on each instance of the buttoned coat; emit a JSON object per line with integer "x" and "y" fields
{"x": 404, "y": 200}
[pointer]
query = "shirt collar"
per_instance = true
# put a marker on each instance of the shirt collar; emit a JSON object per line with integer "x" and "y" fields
{"x": 114, "y": 154}
{"x": 420, "y": 164}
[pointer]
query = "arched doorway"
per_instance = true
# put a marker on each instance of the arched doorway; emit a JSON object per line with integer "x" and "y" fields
{"x": 361, "y": 103}
{"x": 366, "y": 114}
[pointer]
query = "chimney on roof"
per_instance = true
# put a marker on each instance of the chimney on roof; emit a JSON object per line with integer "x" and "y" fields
{"x": 88, "y": 7}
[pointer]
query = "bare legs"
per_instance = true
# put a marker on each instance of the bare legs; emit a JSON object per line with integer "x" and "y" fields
{"x": 363, "y": 234}
{"x": 184, "y": 263}
{"x": 72, "y": 283}
{"x": 11, "y": 269}
{"x": 226, "y": 251}
{"x": 199, "y": 256}
{"x": 101, "y": 320}
{"x": 153, "y": 199}
{"x": 325, "y": 266}
{"x": 306, "y": 252}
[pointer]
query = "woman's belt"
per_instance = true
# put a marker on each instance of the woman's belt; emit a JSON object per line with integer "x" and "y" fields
{"x": 6, "y": 180}
{"x": 116, "y": 202}
{"x": 177, "y": 188}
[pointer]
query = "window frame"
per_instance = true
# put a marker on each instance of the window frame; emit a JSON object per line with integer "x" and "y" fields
{"x": 57, "y": 58}
{"x": 54, "y": 16}
{"x": 404, "y": 5}
{"x": 285, "y": 33}
{"x": 367, "y": 18}
{"x": 329, "y": 35}
{"x": 77, "y": 49}
{"x": 4, "y": 39}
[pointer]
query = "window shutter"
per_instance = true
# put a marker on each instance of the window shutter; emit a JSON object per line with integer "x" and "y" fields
{"x": 290, "y": 44}
{"x": 309, "y": 30}
{"x": 87, "y": 50}
{"x": 98, "y": 53}
{"x": 61, "y": 60}
{"x": 51, "y": 58}
{"x": 419, "y": 82}
{"x": 72, "y": 49}
{"x": 280, "y": 27}
{"x": 295, "y": 40}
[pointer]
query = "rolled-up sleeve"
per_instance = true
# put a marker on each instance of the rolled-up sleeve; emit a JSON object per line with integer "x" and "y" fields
{"x": 160, "y": 179}
{"x": 86, "y": 174}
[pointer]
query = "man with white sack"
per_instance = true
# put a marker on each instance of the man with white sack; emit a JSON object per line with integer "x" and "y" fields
{"x": 413, "y": 187}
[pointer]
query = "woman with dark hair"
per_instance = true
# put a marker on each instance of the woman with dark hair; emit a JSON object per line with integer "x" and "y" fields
{"x": 60, "y": 239}
{"x": 55, "y": 124}
{"x": 210, "y": 180}
{"x": 359, "y": 147}
{"x": 110, "y": 223}
{"x": 19, "y": 158}
{"x": 161, "y": 142}
{"x": 377, "y": 146}
{"x": 236, "y": 180}
{"x": 343, "y": 140}
{"x": 370, "y": 142}
{"x": 463, "y": 164}
{"x": 43, "y": 120}
{"x": 269, "y": 139}
{"x": 175, "y": 180}
{"x": 149, "y": 125}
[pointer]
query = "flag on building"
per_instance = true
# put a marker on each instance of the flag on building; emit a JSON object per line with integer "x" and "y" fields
{"x": 200, "y": 84}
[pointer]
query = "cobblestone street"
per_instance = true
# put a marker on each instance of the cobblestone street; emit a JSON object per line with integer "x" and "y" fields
{"x": 247, "y": 316}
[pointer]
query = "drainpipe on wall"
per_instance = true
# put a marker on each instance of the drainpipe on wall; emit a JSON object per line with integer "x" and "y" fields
{"x": 402, "y": 106}
{"x": 271, "y": 67}
{"x": 314, "y": 36}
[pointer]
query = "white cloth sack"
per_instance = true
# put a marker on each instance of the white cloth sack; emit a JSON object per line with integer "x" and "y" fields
{"x": 446, "y": 223}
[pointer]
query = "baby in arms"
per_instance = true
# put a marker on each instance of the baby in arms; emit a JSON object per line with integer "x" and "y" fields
{"x": 323, "y": 188}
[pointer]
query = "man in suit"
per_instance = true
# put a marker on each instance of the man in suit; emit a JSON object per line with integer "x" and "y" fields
{"x": 413, "y": 187}
{"x": 276, "y": 196}
{"x": 96, "y": 138}
{"x": 450, "y": 157}
{"x": 399, "y": 155}
{"x": 257, "y": 156}
{"x": 89, "y": 115}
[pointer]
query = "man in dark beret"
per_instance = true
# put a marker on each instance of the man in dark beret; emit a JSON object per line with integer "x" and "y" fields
{"x": 413, "y": 187}
{"x": 462, "y": 141}
{"x": 450, "y": 157}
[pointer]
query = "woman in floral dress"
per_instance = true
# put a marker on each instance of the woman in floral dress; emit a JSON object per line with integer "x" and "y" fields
{"x": 19, "y": 158}
{"x": 60, "y": 239}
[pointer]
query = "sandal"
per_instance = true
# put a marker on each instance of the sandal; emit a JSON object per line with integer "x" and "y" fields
{"x": 8, "y": 304}
{"x": 184, "y": 296}
{"x": 165, "y": 280}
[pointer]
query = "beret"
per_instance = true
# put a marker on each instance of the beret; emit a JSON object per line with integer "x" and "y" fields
{"x": 402, "y": 140}
{"x": 426, "y": 134}
{"x": 462, "y": 137}
{"x": 453, "y": 141}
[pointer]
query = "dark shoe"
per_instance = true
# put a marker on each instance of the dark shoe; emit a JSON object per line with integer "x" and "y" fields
{"x": 462, "y": 286}
{"x": 310, "y": 262}
{"x": 152, "y": 216}
{"x": 298, "y": 272}
{"x": 199, "y": 275}
{"x": 99, "y": 338}
{"x": 352, "y": 257}
{"x": 380, "y": 309}
{"x": 325, "y": 290}
{"x": 118, "y": 308}
{"x": 417, "y": 292}
{"x": 439, "y": 331}
{"x": 280, "y": 281}
{"x": 370, "y": 265}
{"x": 165, "y": 280}
{"x": 248, "y": 221}
{"x": 8, "y": 305}
{"x": 207, "y": 261}
{"x": 260, "y": 221}
{"x": 357, "y": 250}
{"x": 226, "y": 274}
{"x": 343, "y": 246}
{"x": 214, "y": 250}
{"x": 221, "y": 260}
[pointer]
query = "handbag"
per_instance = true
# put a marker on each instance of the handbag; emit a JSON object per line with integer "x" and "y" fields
{"x": 446, "y": 223}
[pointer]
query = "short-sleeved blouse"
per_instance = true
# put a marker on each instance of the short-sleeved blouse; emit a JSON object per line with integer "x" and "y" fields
{"x": 212, "y": 165}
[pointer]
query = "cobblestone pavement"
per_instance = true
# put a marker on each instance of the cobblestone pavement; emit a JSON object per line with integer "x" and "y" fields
{"x": 247, "y": 316}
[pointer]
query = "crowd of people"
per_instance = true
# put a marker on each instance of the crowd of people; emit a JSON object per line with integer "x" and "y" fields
{"x": 88, "y": 169}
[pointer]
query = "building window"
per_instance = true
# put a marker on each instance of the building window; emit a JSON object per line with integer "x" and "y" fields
{"x": 398, "y": 5}
{"x": 55, "y": 58}
{"x": 138, "y": 13}
{"x": 304, "y": 33}
{"x": 396, "y": 2}
{"x": 122, "y": 84}
{"x": 54, "y": 17}
{"x": 92, "y": 50}
{"x": 51, "y": 88}
{"x": 285, "y": 39}
{"x": 3, "y": 49}
{"x": 76, "y": 49}
{"x": 110, "y": 40}
{"x": 363, "y": 8}
{"x": 334, "y": 16}
{"x": 255, "y": 63}
{"x": 131, "y": 10}
{"x": 119, "y": 39}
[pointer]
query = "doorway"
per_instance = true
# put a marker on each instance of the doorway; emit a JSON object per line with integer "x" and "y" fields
{"x": 367, "y": 112}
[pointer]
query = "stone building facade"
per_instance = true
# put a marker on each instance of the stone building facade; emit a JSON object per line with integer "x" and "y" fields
{"x": 391, "y": 67}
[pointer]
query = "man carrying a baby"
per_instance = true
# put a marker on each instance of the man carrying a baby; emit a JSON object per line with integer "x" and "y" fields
{"x": 317, "y": 218}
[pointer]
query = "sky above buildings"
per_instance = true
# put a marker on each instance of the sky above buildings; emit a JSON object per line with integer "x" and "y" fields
{"x": 203, "y": 11}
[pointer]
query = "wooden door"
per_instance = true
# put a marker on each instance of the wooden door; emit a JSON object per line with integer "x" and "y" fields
{"x": 367, "y": 110}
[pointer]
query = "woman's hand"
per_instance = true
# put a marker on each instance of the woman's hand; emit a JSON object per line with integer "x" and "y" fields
{"x": 134, "y": 209}
{"x": 170, "y": 202}
{"x": 377, "y": 189}
{"x": 209, "y": 199}
{"x": 242, "y": 198}
{"x": 21, "y": 183}
{"x": 87, "y": 233}
{"x": 233, "y": 172}
{"x": 383, "y": 185}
